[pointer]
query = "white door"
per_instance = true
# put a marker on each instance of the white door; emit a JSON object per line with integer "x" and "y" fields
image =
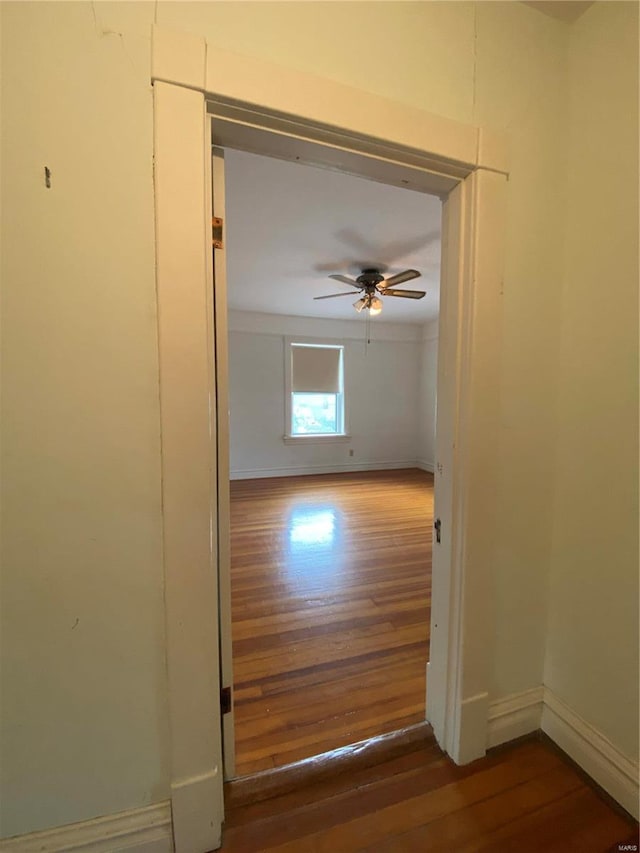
{"x": 467, "y": 455}
{"x": 222, "y": 415}
{"x": 437, "y": 681}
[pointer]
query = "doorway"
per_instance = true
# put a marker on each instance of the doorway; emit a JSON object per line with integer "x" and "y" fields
{"x": 330, "y": 526}
{"x": 465, "y": 165}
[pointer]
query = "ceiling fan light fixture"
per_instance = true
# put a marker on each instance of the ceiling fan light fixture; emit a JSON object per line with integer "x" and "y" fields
{"x": 370, "y": 282}
{"x": 375, "y": 306}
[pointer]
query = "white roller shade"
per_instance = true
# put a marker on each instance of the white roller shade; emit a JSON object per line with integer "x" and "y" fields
{"x": 315, "y": 370}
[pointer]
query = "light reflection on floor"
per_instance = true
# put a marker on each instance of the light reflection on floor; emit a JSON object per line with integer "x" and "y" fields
{"x": 313, "y": 559}
{"x": 311, "y": 526}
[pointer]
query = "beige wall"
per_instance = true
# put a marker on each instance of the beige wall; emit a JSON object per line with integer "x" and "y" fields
{"x": 84, "y": 703}
{"x": 592, "y": 648}
{"x": 84, "y": 728}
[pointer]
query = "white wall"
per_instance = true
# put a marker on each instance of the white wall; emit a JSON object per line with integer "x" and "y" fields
{"x": 592, "y": 648}
{"x": 381, "y": 396}
{"x": 86, "y": 716}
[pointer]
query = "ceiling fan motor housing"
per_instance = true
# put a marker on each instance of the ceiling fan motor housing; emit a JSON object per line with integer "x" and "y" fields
{"x": 370, "y": 278}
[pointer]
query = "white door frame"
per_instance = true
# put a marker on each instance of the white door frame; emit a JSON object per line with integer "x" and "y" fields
{"x": 223, "y": 504}
{"x": 264, "y": 107}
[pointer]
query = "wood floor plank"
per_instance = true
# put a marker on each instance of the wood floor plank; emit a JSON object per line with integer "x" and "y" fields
{"x": 344, "y": 646}
{"x": 460, "y": 830}
{"x": 270, "y": 699}
{"x": 416, "y": 809}
{"x": 527, "y": 796}
{"x": 316, "y": 675}
{"x": 368, "y": 814}
{"x": 320, "y": 708}
{"x": 293, "y": 741}
{"x": 353, "y": 734}
{"x": 331, "y": 596}
{"x": 357, "y": 766}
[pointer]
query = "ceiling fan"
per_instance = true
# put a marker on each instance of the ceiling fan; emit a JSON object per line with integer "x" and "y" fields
{"x": 370, "y": 283}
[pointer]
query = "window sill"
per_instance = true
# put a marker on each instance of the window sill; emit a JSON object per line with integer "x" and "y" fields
{"x": 316, "y": 439}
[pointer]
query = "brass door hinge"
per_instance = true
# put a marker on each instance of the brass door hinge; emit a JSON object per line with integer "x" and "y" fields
{"x": 216, "y": 232}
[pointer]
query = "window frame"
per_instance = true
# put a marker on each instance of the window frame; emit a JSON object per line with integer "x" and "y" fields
{"x": 341, "y": 398}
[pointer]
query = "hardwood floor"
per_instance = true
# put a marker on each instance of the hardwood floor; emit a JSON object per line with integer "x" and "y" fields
{"x": 525, "y": 797}
{"x": 331, "y": 595}
{"x": 331, "y": 591}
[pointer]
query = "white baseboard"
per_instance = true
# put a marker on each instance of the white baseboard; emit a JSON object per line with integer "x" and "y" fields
{"x": 197, "y": 812}
{"x": 146, "y": 830}
{"x": 514, "y": 716}
{"x": 296, "y": 471}
{"x": 597, "y": 756}
{"x": 469, "y": 734}
{"x": 539, "y": 708}
{"x": 425, "y": 465}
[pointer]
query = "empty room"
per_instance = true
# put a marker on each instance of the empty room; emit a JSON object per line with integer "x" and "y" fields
{"x": 333, "y": 295}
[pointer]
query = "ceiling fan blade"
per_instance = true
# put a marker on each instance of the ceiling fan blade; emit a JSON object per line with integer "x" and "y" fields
{"x": 407, "y": 275}
{"x": 407, "y": 294}
{"x": 331, "y": 295}
{"x": 345, "y": 279}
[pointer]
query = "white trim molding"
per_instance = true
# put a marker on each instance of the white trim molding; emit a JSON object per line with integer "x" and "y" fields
{"x": 188, "y": 424}
{"x": 191, "y": 799}
{"x": 595, "y": 753}
{"x": 469, "y": 735}
{"x": 425, "y": 465}
{"x": 239, "y": 80}
{"x": 145, "y": 830}
{"x": 331, "y": 438}
{"x": 281, "y": 111}
{"x": 296, "y": 471}
{"x": 540, "y": 709}
{"x": 514, "y": 716}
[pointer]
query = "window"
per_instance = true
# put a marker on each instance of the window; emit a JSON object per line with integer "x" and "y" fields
{"x": 315, "y": 414}
{"x": 315, "y": 391}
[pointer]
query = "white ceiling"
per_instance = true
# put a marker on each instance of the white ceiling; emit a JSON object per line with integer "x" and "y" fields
{"x": 288, "y": 226}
